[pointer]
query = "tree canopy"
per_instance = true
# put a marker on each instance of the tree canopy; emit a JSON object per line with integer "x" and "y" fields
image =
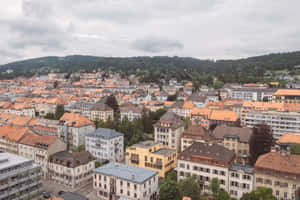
{"x": 262, "y": 193}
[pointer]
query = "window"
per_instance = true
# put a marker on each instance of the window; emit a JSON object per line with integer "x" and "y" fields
{"x": 128, "y": 184}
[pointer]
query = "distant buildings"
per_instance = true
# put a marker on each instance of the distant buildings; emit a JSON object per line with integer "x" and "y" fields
{"x": 102, "y": 112}
{"x": 71, "y": 169}
{"x": 105, "y": 144}
{"x": 287, "y": 95}
{"x": 151, "y": 155}
{"x": 168, "y": 130}
{"x": 20, "y": 178}
{"x": 194, "y": 133}
{"x": 116, "y": 180}
{"x": 130, "y": 112}
{"x": 281, "y": 122}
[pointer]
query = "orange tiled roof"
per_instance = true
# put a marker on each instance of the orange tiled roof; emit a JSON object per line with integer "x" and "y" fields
{"x": 76, "y": 119}
{"x": 287, "y": 92}
{"x": 224, "y": 115}
{"x": 20, "y": 120}
{"x": 14, "y": 133}
{"x": 278, "y": 162}
{"x": 33, "y": 139}
{"x": 290, "y": 138}
{"x": 188, "y": 105}
{"x": 200, "y": 111}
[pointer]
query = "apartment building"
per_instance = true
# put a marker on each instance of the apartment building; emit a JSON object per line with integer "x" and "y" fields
{"x": 182, "y": 109}
{"x": 194, "y": 133}
{"x": 105, "y": 144}
{"x": 19, "y": 178}
{"x": 118, "y": 181}
{"x": 130, "y": 112}
{"x": 241, "y": 180}
{"x": 101, "y": 111}
{"x": 21, "y": 109}
{"x": 10, "y": 137}
{"x": 252, "y": 93}
{"x": 236, "y": 139}
{"x": 206, "y": 161}
{"x": 281, "y": 122}
{"x": 39, "y": 148}
{"x": 152, "y": 155}
{"x": 168, "y": 130}
{"x": 71, "y": 169}
{"x": 287, "y": 95}
{"x": 279, "y": 171}
{"x": 73, "y": 127}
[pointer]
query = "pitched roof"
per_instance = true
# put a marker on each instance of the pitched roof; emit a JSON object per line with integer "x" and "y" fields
{"x": 41, "y": 141}
{"x": 101, "y": 107}
{"x": 71, "y": 159}
{"x": 76, "y": 120}
{"x": 243, "y": 134}
{"x": 278, "y": 161}
{"x": 13, "y": 133}
{"x": 224, "y": 115}
{"x": 196, "y": 132}
{"x": 170, "y": 118}
{"x": 287, "y": 92}
{"x": 289, "y": 138}
{"x": 212, "y": 151}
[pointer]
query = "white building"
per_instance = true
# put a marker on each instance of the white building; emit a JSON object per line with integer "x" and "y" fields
{"x": 241, "y": 180}
{"x": 130, "y": 112}
{"x": 281, "y": 122}
{"x": 206, "y": 161}
{"x": 105, "y": 144}
{"x": 19, "y": 178}
{"x": 115, "y": 180}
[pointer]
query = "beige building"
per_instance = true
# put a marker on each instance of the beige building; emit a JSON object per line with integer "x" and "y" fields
{"x": 168, "y": 130}
{"x": 39, "y": 148}
{"x": 71, "y": 169}
{"x": 102, "y": 112}
{"x": 235, "y": 139}
{"x": 279, "y": 171}
{"x": 151, "y": 155}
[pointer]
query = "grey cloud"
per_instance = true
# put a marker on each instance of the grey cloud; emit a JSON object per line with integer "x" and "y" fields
{"x": 156, "y": 45}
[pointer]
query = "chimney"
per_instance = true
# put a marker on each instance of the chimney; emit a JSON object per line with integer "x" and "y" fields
{"x": 132, "y": 177}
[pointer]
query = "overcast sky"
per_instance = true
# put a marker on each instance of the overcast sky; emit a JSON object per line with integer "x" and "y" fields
{"x": 214, "y": 29}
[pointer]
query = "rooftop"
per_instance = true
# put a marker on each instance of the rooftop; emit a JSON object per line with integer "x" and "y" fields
{"x": 289, "y": 138}
{"x": 243, "y": 134}
{"x": 287, "y": 92}
{"x": 8, "y": 160}
{"x": 146, "y": 144}
{"x": 246, "y": 168}
{"x": 105, "y": 133}
{"x": 164, "y": 151}
{"x": 126, "y": 172}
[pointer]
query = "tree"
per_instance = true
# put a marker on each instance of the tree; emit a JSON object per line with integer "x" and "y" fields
{"x": 80, "y": 148}
{"x": 172, "y": 97}
{"x": 261, "y": 142}
{"x": 262, "y": 193}
{"x": 218, "y": 84}
{"x": 169, "y": 187}
{"x": 222, "y": 195}
{"x": 55, "y": 84}
{"x": 214, "y": 186}
{"x": 189, "y": 187}
{"x": 111, "y": 101}
{"x": 59, "y": 111}
{"x": 295, "y": 148}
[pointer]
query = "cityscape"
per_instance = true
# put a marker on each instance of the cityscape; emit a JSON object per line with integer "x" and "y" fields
{"x": 149, "y": 100}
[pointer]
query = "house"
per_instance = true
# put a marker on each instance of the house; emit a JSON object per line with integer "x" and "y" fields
{"x": 153, "y": 156}
{"x": 236, "y": 139}
{"x": 206, "y": 161}
{"x": 194, "y": 133}
{"x": 168, "y": 130}
{"x": 71, "y": 169}
{"x": 39, "y": 148}
{"x": 130, "y": 112}
{"x": 279, "y": 171}
{"x": 116, "y": 180}
{"x": 101, "y": 111}
{"x": 105, "y": 144}
{"x": 73, "y": 127}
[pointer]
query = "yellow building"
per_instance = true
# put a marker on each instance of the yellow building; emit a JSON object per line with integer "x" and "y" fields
{"x": 287, "y": 95}
{"x": 151, "y": 155}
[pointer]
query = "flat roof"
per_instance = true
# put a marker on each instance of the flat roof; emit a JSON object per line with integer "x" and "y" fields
{"x": 126, "y": 172}
{"x": 105, "y": 133}
{"x": 246, "y": 168}
{"x": 164, "y": 151}
{"x": 146, "y": 144}
{"x": 8, "y": 159}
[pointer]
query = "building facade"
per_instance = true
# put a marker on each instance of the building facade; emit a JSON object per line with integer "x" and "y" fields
{"x": 105, "y": 144}
{"x": 153, "y": 156}
{"x": 20, "y": 178}
{"x": 118, "y": 181}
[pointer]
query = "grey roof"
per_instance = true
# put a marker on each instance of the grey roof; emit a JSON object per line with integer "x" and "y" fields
{"x": 126, "y": 172}
{"x": 8, "y": 160}
{"x": 105, "y": 133}
{"x": 246, "y": 168}
{"x": 72, "y": 196}
{"x": 145, "y": 144}
{"x": 101, "y": 107}
{"x": 164, "y": 151}
{"x": 243, "y": 134}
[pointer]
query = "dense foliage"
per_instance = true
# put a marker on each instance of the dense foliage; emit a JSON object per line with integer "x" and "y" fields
{"x": 261, "y": 142}
{"x": 261, "y": 193}
{"x": 153, "y": 69}
{"x": 295, "y": 148}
